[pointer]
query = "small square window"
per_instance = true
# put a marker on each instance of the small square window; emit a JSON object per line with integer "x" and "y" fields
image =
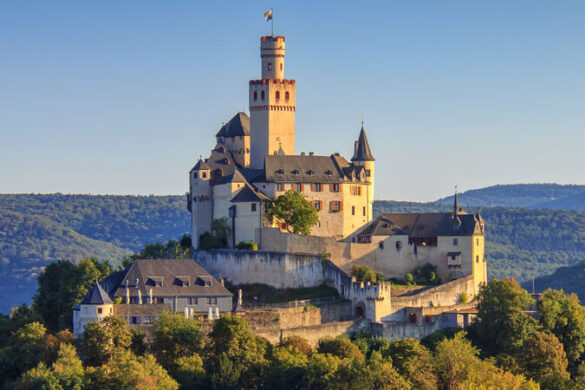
{"x": 253, "y": 207}
{"x": 455, "y": 241}
{"x": 99, "y": 310}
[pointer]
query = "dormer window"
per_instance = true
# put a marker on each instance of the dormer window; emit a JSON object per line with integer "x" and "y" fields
{"x": 156, "y": 281}
{"x": 295, "y": 172}
{"x": 310, "y": 172}
{"x": 183, "y": 281}
{"x": 279, "y": 171}
{"x": 203, "y": 175}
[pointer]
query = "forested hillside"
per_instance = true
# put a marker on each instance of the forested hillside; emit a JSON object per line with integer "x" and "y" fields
{"x": 571, "y": 279}
{"x": 520, "y": 242}
{"x": 554, "y": 196}
{"x": 38, "y": 229}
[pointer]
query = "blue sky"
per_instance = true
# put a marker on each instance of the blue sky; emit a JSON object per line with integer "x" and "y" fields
{"x": 122, "y": 97}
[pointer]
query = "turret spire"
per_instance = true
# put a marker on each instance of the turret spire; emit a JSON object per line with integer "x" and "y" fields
{"x": 362, "y": 148}
{"x": 456, "y": 203}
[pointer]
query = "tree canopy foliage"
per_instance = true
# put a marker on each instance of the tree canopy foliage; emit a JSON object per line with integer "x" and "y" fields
{"x": 293, "y": 209}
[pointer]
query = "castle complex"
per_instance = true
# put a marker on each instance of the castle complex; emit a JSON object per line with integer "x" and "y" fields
{"x": 254, "y": 162}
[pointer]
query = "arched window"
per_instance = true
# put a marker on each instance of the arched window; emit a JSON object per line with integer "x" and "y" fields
{"x": 286, "y": 96}
{"x": 281, "y": 66}
{"x": 262, "y": 95}
{"x": 255, "y": 95}
{"x": 277, "y": 95}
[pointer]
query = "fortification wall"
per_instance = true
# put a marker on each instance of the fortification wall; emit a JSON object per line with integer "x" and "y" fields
{"x": 445, "y": 296}
{"x": 276, "y": 269}
{"x": 313, "y": 333}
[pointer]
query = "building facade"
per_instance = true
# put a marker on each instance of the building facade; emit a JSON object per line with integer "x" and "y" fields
{"x": 143, "y": 291}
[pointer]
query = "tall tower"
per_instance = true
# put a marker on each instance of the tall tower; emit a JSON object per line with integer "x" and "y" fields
{"x": 363, "y": 157}
{"x": 272, "y": 105}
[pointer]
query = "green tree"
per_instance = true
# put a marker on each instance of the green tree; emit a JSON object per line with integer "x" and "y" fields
{"x": 189, "y": 372}
{"x": 543, "y": 359}
{"x": 459, "y": 367}
{"x": 235, "y": 354}
{"x": 127, "y": 371}
{"x": 40, "y": 377}
{"x": 413, "y": 361}
{"x": 63, "y": 285}
{"x": 299, "y": 343}
{"x": 363, "y": 273}
{"x": 218, "y": 237}
{"x": 174, "y": 337}
{"x": 501, "y": 324}
{"x": 563, "y": 316}
{"x": 101, "y": 340}
{"x": 341, "y": 347}
{"x": 293, "y": 209}
{"x": 172, "y": 249}
{"x": 288, "y": 368}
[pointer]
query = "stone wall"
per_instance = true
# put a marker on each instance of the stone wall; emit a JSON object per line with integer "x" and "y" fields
{"x": 276, "y": 269}
{"x": 315, "y": 332}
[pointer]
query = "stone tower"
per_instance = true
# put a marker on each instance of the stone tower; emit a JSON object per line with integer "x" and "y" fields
{"x": 272, "y": 105}
{"x": 201, "y": 205}
{"x": 363, "y": 157}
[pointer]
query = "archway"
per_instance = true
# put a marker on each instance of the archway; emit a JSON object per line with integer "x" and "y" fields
{"x": 360, "y": 310}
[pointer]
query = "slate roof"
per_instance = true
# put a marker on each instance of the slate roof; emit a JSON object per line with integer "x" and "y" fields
{"x": 96, "y": 296}
{"x": 362, "y": 150}
{"x": 239, "y": 125}
{"x": 173, "y": 273}
{"x": 201, "y": 165}
{"x": 423, "y": 225}
{"x": 309, "y": 169}
{"x": 248, "y": 194}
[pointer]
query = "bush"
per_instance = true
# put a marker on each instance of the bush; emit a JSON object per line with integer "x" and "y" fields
{"x": 427, "y": 273}
{"x": 249, "y": 245}
{"x": 363, "y": 273}
{"x": 409, "y": 279}
{"x": 463, "y": 297}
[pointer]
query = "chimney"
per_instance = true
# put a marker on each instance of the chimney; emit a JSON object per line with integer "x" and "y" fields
{"x": 222, "y": 280}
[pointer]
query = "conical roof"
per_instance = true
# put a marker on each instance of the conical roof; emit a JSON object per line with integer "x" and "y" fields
{"x": 96, "y": 296}
{"x": 201, "y": 165}
{"x": 239, "y": 125}
{"x": 362, "y": 150}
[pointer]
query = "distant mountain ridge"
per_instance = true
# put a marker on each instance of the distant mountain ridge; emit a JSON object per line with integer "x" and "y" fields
{"x": 38, "y": 229}
{"x": 553, "y": 196}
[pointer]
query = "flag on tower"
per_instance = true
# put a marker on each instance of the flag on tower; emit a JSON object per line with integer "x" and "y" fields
{"x": 268, "y": 15}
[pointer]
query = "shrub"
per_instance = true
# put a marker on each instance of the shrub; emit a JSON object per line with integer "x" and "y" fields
{"x": 409, "y": 279}
{"x": 249, "y": 245}
{"x": 463, "y": 297}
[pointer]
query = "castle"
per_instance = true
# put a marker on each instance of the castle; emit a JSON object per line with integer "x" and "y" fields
{"x": 254, "y": 160}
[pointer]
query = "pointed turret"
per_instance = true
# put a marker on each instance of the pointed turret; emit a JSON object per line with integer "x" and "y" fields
{"x": 456, "y": 203}
{"x": 362, "y": 150}
{"x": 96, "y": 296}
{"x": 200, "y": 166}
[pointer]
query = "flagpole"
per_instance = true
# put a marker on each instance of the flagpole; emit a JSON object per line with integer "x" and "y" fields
{"x": 272, "y": 21}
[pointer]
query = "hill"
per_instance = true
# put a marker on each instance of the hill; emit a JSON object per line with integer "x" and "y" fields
{"x": 123, "y": 220}
{"x": 38, "y": 229}
{"x": 29, "y": 242}
{"x": 520, "y": 242}
{"x": 570, "y": 279}
{"x": 554, "y": 196}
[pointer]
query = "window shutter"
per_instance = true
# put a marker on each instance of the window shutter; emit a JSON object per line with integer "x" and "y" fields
{"x": 302, "y": 187}
{"x": 330, "y": 206}
{"x": 331, "y": 187}
{"x": 340, "y": 205}
{"x": 313, "y": 187}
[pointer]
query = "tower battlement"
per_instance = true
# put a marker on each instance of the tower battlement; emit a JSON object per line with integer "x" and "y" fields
{"x": 274, "y": 81}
